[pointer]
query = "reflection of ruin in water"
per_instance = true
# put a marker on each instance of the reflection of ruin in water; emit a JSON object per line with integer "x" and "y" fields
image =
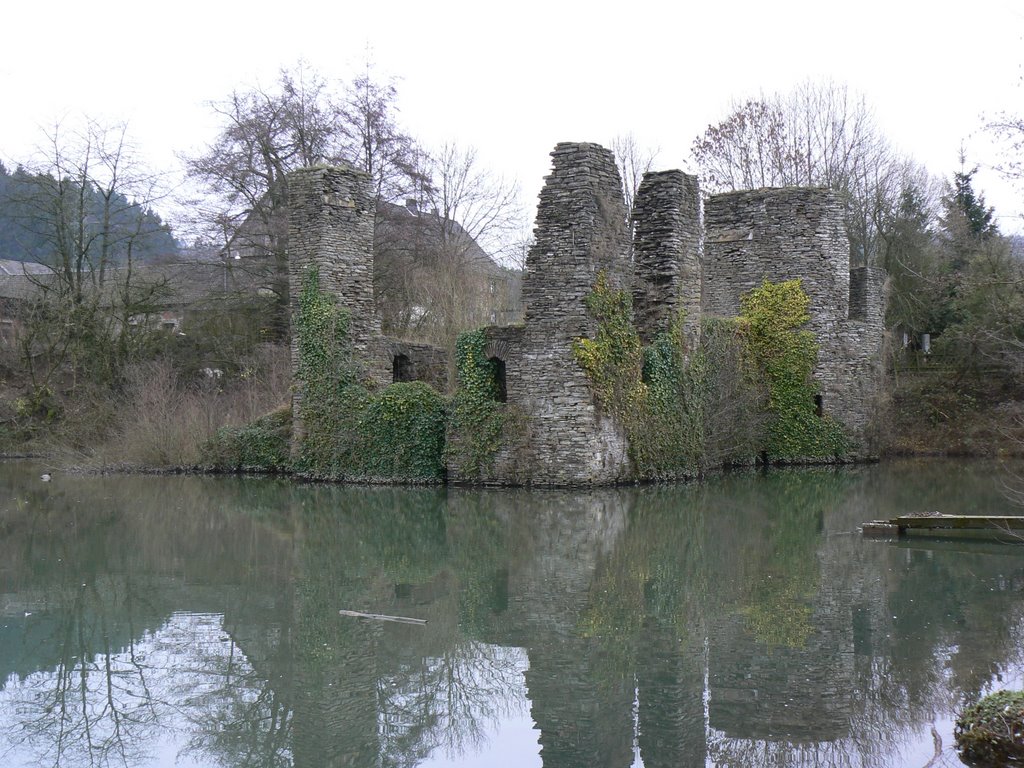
{"x": 639, "y": 614}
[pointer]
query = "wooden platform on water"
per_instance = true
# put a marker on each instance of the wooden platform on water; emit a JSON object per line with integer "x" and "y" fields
{"x": 1004, "y": 528}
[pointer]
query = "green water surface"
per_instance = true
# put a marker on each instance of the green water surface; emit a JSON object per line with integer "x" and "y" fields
{"x": 193, "y": 621}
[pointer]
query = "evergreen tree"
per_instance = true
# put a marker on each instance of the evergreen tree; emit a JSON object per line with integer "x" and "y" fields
{"x": 967, "y": 223}
{"x": 920, "y": 294}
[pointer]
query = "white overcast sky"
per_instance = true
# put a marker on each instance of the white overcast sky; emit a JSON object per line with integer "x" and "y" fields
{"x": 514, "y": 78}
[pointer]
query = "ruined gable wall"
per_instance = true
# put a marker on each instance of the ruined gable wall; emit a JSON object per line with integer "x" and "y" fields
{"x": 580, "y": 231}
{"x": 666, "y": 254}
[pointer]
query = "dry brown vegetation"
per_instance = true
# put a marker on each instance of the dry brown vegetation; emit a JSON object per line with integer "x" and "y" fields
{"x": 156, "y": 419}
{"x": 943, "y": 413}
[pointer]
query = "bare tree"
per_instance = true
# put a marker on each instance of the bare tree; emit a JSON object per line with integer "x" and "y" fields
{"x": 300, "y": 121}
{"x": 374, "y": 141}
{"x": 88, "y": 201}
{"x": 633, "y": 162}
{"x": 266, "y": 133}
{"x": 467, "y": 219}
{"x": 1008, "y": 130}
{"x": 820, "y": 134}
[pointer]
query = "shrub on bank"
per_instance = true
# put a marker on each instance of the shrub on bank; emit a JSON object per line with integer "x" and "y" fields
{"x": 263, "y": 445}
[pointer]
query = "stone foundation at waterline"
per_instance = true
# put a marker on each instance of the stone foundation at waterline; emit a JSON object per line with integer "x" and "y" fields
{"x": 555, "y": 432}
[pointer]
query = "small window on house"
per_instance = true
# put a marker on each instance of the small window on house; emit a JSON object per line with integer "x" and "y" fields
{"x": 168, "y": 325}
{"x": 500, "y": 391}
{"x": 819, "y": 409}
{"x": 401, "y": 368}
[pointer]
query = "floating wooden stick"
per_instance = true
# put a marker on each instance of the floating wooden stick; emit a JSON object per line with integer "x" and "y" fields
{"x": 382, "y": 617}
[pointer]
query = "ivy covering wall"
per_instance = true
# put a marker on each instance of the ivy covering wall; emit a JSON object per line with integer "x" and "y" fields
{"x": 772, "y": 316}
{"x": 478, "y": 418}
{"x": 745, "y": 391}
{"x": 350, "y": 432}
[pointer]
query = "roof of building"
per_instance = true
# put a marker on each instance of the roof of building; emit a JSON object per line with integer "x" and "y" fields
{"x": 12, "y": 267}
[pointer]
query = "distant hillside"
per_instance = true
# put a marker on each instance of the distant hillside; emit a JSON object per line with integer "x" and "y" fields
{"x": 28, "y": 231}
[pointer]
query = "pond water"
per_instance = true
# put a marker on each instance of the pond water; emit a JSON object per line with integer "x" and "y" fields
{"x": 194, "y": 621}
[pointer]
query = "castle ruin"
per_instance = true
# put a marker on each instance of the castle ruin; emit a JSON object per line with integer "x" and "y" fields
{"x": 673, "y": 261}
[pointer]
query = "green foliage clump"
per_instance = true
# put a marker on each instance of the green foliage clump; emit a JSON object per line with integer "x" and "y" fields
{"x": 785, "y": 357}
{"x": 478, "y": 419}
{"x": 685, "y": 410}
{"x": 350, "y": 432}
{"x": 260, "y": 446}
{"x": 614, "y": 359}
{"x": 637, "y": 386}
{"x": 403, "y": 433}
{"x": 991, "y": 732}
{"x": 670, "y": 438}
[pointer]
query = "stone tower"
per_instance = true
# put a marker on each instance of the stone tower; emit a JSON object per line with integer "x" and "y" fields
{"x": 666, "y": 254}
{"x": 580, "y": 232}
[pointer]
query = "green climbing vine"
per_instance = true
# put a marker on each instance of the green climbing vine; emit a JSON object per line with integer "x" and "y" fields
{"x": 613, "y": 359}
{"x": 477, "y": 417}
{"x": 772, "y": 315}
{"x": 333, "y": 399}
{"x": 402, "y": 432}
{"x": 746, "y": 388}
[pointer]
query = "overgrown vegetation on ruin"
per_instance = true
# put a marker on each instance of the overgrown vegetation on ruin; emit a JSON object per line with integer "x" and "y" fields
{"x": 477, "y": 418}
{"x": 784, "y": 356}
{"x": 991, "y": 731}
{"x": 745, "y": 390}
{"x": 349, "y": 432}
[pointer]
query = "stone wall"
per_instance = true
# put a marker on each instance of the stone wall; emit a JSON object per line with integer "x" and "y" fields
{"x": 666, "y": 253}
{"x": 580, "y": 231}
{"x": 798, "y": 233}
{"x": 415, "y": 361}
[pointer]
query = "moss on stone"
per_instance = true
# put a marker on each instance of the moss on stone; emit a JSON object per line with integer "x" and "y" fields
{"x": 991, "y": 732}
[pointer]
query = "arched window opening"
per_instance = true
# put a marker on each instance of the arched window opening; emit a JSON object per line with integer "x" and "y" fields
{"x": 819, "y": 408}
{"x": 401, "y": 368}
{"x": 500, "y": 391}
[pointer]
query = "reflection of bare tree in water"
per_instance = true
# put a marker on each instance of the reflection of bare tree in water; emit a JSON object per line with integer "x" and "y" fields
{"x": 243, "y": 720}
{"x": 116, "y": 688}
{"x": 96, "y": 708}
{"x": 447, "y": 702}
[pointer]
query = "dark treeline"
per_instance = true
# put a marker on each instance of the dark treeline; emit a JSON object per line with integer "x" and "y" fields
{"x": 27, "y": 232}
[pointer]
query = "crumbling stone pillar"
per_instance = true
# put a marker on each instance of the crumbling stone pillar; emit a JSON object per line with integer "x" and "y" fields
{"x": 580, "y": 231}
{"x": 666, "y": 254}
{"x": 330, "y": 226}
{"x": 798, "y": 233}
